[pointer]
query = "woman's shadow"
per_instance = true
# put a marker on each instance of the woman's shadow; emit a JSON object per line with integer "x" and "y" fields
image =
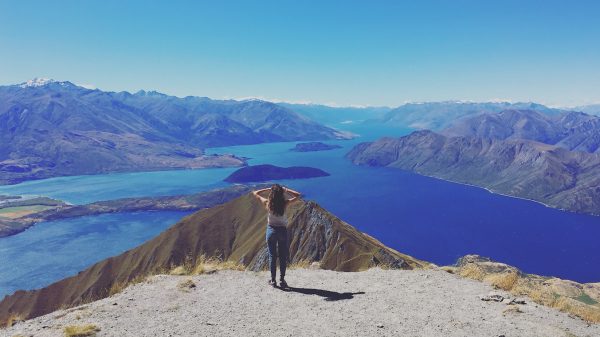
{"x": 327, "y": 294}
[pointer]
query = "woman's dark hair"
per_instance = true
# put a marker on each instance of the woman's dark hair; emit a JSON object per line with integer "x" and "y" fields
{"x": 277, "y": 200}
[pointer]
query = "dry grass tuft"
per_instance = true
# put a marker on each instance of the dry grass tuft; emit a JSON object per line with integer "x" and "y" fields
{"x": 302, "y": 264}
{"x": 207, "y": 265}
{"x": 186, "y": 286}
{"x": 511, "y": 309}
{"x": 472, "y": 271}
{"x": 216, "y": 264}
{"x": 120, "y": 286}
{"x": 14, "y": 319}
{"x": 585, "y": 312}
{"x": 449, "y": 269}
{"x": 566, "y": 304}
{"x": 66, "y": 310}
{"x": 179, "y": 271}
{"x": 86, "y": 330}
{"x": 204, "y": 265}
{"x": 535, "y": 288}
{"x": 539, "y": 296}
{"x": 504, "y": 281}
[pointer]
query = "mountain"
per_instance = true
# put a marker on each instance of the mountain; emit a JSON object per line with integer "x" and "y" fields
{"x": 234, "y": 231}
{"x": 523, "y": 168}
{"x": 438, "y": 115}
{"x": 205, "y": 122}
{"x": 50, "y": 128}
{"x": 572, "y": 130}
{"x": 592, "y": 109}
{"x": 330, "y": 115}
{"x": 268, "y": 172}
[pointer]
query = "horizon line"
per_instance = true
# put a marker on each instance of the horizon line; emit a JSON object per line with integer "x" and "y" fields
{"x": 309, "y": 102}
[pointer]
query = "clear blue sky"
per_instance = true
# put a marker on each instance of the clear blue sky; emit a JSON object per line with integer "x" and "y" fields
{"x": 343, "y": 52}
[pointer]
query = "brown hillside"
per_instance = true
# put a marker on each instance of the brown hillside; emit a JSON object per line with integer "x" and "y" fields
{"x": 233, "y": 231}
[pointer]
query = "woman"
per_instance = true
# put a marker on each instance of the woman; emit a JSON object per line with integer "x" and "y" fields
{"x": 277, "y": 228}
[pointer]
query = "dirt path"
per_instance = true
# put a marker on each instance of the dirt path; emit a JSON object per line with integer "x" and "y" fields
{"x": 323, "y": 303}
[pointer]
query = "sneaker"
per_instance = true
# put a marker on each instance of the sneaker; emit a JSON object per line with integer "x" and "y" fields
{"x": 283, "y": 284}
{"x": 272, "y": 283}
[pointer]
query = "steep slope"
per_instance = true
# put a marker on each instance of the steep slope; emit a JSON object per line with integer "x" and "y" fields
{"x": 438, "y": 115}
{"x": 549, "y": 174}
{"x": 50, "y": 128}
{"x": 571, "y": 130}
{"x": 232, "y": 231}
{"x": 508, "y": 124}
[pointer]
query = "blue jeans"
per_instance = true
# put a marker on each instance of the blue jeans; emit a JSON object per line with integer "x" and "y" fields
{"x": 278, "y": 246}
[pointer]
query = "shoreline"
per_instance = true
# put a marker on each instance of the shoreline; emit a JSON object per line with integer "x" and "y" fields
{"x": 243, "y": 162}
{"x": 501, "y": 194}
{"x": 186, "y": 202}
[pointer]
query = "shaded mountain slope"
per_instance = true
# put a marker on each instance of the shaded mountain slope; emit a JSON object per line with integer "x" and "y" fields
{"x": 546, "y": 173}
{"x": 570, "y": 130}
{"x": 232, "y": 231}
{"x": 508, "y": 124}
{"x": 206, "y": 122}
{"x": 52, "y": 128}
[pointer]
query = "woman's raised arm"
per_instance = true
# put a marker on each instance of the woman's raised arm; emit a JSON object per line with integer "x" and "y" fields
{"x": 260, "y": 197}
{"x": 295, "y": 194}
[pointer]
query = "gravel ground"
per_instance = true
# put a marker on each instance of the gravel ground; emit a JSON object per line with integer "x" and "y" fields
{"x": 323, "y": 303}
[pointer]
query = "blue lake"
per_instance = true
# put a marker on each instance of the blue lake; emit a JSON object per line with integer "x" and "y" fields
{"x": 433, "y": 220}
{"x": 52, "y": 250}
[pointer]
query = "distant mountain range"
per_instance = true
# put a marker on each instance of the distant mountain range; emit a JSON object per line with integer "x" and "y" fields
{"x": 424, "y": 115}
{"x": 519, "y": 153}
{"x": 438, "y": 115}
{"x": 50, "y": 128}
{"x": 330, "y": 115}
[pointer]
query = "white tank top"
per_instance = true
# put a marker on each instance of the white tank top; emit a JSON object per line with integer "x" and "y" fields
{"x": 277, "y": 220}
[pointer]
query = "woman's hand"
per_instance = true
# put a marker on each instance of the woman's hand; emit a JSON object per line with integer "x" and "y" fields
{"x": 260, "y": 197}
{"x": 295, "y": 194}
{"x": 292, "y": 192}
